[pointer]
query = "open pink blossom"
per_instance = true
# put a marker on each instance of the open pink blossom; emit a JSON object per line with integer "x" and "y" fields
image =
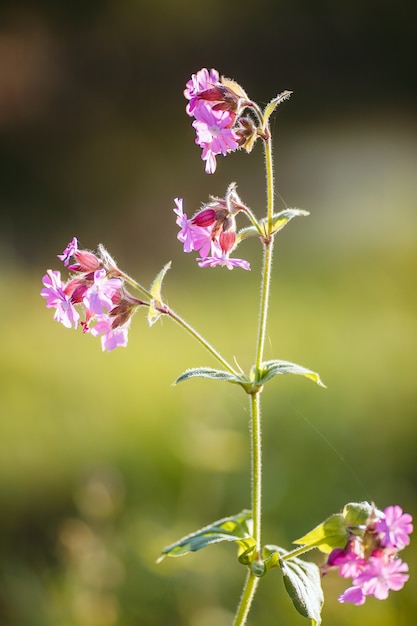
{"x": 199, "y": 82}
{"x": 394, "y": 528}
{"x": 193, "y": 237}
{"x": 58, "y": 300}
{"x": 379, "y": 576}
{"x": 99, "y": 297}
{"x": 214, "y": 135}
{"x": 111, "y": 338}
{"x": 221, "y": 258}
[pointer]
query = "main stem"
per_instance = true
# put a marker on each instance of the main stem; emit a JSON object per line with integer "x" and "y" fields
{"x": 255, "y": 398}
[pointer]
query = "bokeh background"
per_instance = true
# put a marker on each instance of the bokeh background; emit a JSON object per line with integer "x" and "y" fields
{"x": 102, "y": 461}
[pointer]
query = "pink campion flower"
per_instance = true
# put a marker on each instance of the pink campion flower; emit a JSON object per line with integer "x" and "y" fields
{"x": 69, "y": 251}
{"x": 379, "y": 576}
{"x": 199, "y": 82}
{"x": 394, "y": 528}
{"x": 214, "y": 135}
{"x": 58, "y": 300}
{"x": 193, "y": 237}
{"x": 111, "y": 338}
{"x": 222, "y": 258}
{"x": 100, "y": 296}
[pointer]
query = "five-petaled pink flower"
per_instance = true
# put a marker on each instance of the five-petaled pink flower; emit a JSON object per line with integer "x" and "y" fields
{"x": 394, "y": 528}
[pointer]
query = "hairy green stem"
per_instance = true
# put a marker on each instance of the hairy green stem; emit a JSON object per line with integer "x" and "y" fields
{"x": 200, "y": 340}
{"x": 255, "y": 398}
{"x": 185, "y": 325}
{"x": 256, "y": 454}
{"x": 249, "y": 590}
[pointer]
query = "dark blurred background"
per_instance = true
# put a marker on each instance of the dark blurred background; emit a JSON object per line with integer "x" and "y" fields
{"x": 102, "y": 463}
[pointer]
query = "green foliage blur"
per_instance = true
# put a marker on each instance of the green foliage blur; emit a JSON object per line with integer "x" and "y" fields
{"x": 102, "y": 461}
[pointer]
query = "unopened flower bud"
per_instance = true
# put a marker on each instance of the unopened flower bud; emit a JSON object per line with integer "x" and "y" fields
{"x": 86, "y": 262}
{"x": 204, "y": 218}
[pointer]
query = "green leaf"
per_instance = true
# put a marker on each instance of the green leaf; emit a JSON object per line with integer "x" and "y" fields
{"x": 302, "y": 581}
{"x": 326, "y": 536}
{"x": 156, "y": 304}
{"x": 269, "y": 369}
{"x": 235, "y": 528}
{"x": 282, "y": 218}
{"x": 270, "y": 108}
{"x": 208, "y": 372}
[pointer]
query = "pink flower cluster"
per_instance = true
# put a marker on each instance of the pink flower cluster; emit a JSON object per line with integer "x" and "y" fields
{"x": 370, "y": 557}
{"x": 212, "y": 231}
{"x": 97, "y": 288}
{"x": 215, "y": 107}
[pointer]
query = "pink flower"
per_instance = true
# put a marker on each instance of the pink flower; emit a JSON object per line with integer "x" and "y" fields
{"x": 198, "y": 83}
{"x": 111, "y": 338}
{"x": 394, "y": 528}
{"x": 379, "y": 576}
{"x": 99, "y": 297}
{"x": 214, "y": 134}
{"x": 69, "y": 251}
{"x": 222, "y": 258}
{"x": 57, "y": 299}
{"x": 193, "y": 237}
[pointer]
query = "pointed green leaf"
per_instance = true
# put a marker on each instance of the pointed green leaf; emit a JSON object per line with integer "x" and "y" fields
{"x": 270, "y": 108}
{"x": 208, "y": 372}
{"x": 154, "y": 311}
{"x": 269, "y": 369}
{"x": 235, "y": 528}
{"x": 302, "y": 581}
{"x": 326, "y": 536}
{"x": 282, "y": 218}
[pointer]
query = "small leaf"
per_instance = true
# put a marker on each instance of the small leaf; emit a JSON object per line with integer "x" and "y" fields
{"x": 282, "y": 218}
{"x": 154, "y": 311}
{"x": 270, "y": 108}
{"x": 269, "y": 369}
{"x": 326, "y": 536}
{"x": 235, "y": 528}
{"x": 303, "y": 583}
{"x": 208, "y": 372}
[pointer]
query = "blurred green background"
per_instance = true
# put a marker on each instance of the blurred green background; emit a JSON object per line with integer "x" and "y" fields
{"x": 102, "y": 461}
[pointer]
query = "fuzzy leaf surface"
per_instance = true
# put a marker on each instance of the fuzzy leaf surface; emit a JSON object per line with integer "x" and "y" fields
{"x": 209, "y": 372}
{"x": 235, "y": 528}
{"x": 303, "y": 583}
{"x": 269, "y": 369}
